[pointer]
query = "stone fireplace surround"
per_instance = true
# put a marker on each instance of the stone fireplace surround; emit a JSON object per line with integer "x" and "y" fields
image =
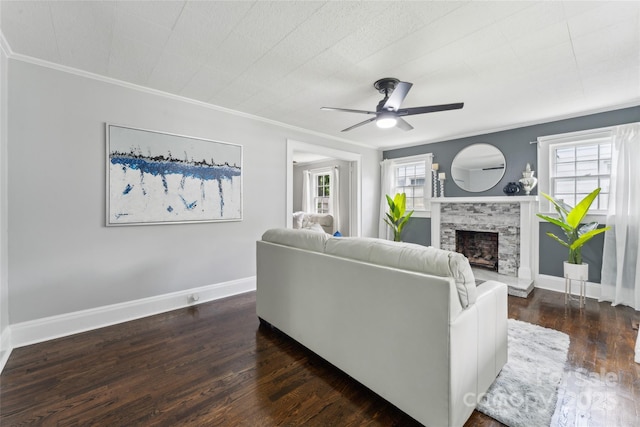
{"x": 512, "y": 217}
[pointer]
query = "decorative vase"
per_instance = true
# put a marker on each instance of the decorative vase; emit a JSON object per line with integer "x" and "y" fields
{"x": 528, "y": 181}
{"x": 511, "y": 189}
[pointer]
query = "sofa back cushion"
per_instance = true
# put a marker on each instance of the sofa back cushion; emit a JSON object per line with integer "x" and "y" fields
{"x": 412, "y": 257}
{"x": 311, "y": 240}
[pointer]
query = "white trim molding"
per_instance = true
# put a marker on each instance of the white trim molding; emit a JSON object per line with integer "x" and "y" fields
{"x": 5, "y": 347}
{"x": 48, "y": 328}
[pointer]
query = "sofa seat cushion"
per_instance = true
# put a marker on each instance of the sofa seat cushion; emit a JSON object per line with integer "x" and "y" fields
{"x": 412, "y": 257}
{"x": 309, "y": 239}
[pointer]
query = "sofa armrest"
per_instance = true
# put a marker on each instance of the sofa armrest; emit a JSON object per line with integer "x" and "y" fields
{"x": 478, "y": 348}
{"x": 492, "y": 306}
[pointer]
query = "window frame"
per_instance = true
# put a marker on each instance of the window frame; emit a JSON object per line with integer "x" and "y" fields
{"x": 314, "y": 177}
{"x": 428, "y": 160}
{"x": 547, "y": 145}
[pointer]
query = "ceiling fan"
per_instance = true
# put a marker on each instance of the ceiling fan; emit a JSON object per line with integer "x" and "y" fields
{"x": 388, "y": 112}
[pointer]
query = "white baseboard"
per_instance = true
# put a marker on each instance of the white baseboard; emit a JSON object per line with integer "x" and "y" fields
{"x": 39, "y": 330}
{"x": 553, "y": 283}
{"x": 5, "y": 347}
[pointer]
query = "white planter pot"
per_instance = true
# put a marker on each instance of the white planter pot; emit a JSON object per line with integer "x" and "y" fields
{"x": 576, "y": 271}
{"x": 579, "y": 272}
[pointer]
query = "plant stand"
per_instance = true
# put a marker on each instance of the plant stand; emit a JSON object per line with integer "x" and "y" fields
{"x": 579, "y": 272}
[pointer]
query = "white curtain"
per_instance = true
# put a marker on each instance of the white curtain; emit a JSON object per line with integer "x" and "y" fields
{"x": 621, "y": 261}
{"x": 307, "y": 193}
{"x": 386, "y": 187}
{"x": 334, "y": 201}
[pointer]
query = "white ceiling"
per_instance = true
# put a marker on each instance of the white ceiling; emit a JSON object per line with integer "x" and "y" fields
{"x": 510, "y": 62}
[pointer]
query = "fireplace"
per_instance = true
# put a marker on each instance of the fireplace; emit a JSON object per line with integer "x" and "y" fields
{"x": 511, "y": 217}
{"x": 502, "y": 219}
{"x": 480, "y": 248}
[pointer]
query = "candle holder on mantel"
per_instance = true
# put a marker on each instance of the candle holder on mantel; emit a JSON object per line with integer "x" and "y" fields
{"x": 434, "y": 179}
{"x": 441, "y": 178}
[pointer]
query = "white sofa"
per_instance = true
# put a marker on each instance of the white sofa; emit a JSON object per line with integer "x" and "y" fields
{"x": 407, "y": 321}
{"x": 310, "y": 220}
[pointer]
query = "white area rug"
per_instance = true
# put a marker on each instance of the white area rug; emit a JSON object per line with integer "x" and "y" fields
{"x": 526, "y": 391}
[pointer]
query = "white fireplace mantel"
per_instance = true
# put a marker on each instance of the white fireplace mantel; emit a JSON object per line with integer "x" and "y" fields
{"x": 528, "y": 226}
{"x": 488, "y": 199}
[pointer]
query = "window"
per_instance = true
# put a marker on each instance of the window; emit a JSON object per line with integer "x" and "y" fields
{"x": 321, "y": 195}
{"x": 410, "y": 178}
{"x": 573, "y": 165}
{"x": 409, "y": 175}
{"x": 580, "y": 168}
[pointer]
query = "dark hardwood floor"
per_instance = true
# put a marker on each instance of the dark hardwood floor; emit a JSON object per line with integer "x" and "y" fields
{"x": 213, "y": 365}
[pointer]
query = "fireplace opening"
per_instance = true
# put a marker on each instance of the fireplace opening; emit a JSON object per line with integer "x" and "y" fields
{"x": 480, "y": 248}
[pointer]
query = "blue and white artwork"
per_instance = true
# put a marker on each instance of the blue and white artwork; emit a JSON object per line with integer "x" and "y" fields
{"x": 159, "y": 178}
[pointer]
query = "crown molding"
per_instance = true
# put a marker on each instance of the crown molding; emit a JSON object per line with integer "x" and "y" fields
{"x": 110, "y": 80}
{"x": 629, "y": 104}
{"x": 4, "y": 45}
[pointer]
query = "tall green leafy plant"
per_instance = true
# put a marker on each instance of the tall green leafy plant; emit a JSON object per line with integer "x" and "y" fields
{"x": 396, "y": 217}
{"x": 570, "y": 221}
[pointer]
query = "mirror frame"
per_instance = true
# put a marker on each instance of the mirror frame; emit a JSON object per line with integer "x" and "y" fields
{"x": 491, "y": 163}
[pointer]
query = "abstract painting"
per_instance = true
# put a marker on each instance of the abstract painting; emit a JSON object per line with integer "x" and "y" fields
{"x": 161, "y": 178}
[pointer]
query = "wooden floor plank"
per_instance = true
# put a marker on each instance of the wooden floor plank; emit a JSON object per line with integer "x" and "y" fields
{"x": 215, "y": 365}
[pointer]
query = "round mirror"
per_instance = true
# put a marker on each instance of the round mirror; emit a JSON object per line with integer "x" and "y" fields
{"x": 478, "y": 167}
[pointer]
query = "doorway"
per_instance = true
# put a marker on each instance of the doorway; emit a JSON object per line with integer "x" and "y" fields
{"x": 300, "y": 150}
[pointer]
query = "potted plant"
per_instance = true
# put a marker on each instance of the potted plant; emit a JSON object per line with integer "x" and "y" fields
{"x": 396, "y": 217}
{"x": 577, "y": 234}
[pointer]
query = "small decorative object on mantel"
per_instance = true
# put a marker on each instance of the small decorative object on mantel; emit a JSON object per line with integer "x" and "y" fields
{"x": 511, "y": 189}
{"x": 434, "y": 179}
{"x": 528, "y": 181}
{"x": 441, "y": 177}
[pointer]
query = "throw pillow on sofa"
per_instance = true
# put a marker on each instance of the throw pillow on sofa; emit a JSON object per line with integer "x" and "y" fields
{"x": 298, "y": 217}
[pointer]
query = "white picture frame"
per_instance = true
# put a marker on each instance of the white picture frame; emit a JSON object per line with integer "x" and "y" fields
{"x": 156, "y": 177}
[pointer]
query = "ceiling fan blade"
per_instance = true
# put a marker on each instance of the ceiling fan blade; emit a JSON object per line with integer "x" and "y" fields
{"x": 403, "y": 124}
{"x": 359, "y": 124}
{"x": 397, "y": 96}
{"x": 347, "y": 110}
{"x": 429, "y": 109}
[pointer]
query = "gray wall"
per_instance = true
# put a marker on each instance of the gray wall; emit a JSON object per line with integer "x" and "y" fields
{"x": 417, "y": 230}
{"x": 515, "y": 144}
{"x": 62, "y": 258}
{"x": 343, "y": 167}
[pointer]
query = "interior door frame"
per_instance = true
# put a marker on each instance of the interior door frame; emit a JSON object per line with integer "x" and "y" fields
{"x": 355, "y": 180}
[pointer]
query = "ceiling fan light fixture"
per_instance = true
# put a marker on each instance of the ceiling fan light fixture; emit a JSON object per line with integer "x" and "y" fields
{"x": 386, "y": 120}
{"x": 388, "y": 113}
